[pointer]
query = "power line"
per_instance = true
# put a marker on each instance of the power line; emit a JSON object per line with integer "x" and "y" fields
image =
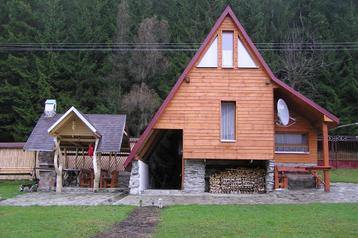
{"x": 148, "y": 46}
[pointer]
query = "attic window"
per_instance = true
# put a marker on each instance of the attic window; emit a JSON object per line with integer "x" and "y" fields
{"x": 227, "y": 49}
{"x": 244, "y": 58}
{"x": 210, "y": 58}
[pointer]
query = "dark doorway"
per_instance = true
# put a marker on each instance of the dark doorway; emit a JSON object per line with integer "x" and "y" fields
{"x": 165, "y": 160}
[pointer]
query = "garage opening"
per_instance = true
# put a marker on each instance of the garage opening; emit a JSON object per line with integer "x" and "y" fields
{"x": 164, "y": 159}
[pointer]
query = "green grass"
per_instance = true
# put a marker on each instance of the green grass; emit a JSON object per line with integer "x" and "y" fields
{"x": 10, "y": 189}
{"x": 313, "y": 220}
{"x": 58, "y": 221}
{"x": 344, "y": 175}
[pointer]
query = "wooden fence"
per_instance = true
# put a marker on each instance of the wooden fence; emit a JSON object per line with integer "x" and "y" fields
{"x": 14, "y": 160}
{"x": 343, "y": 151}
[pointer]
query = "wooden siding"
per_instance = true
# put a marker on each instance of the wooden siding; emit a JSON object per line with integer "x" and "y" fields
{"x": 16, "y": 160}
{"x": 80, "y": 128}
{"x": 195, "y": 108}
{"x": 303, "y": 126}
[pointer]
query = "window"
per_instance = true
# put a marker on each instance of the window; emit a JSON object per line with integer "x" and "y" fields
{"x": 210, "y": 58}
{"x": 244, "y": 59}
{"x": 291, "y": 143}
{"x": 228, "y": 111}
{"x": 227, "y": 49}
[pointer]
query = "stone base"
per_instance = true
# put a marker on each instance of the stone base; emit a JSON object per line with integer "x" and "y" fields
{"x": 47, "y": 180}
{"x": 270, "y": 176}
{"x": 134, "y": 178}
{"x": 194, "y": 176}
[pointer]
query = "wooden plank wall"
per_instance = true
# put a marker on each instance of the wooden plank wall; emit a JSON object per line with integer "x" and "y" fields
{"x": 15, "y": 159}
{"x": 303, "y": 126}
{"x": 196, "y": 109}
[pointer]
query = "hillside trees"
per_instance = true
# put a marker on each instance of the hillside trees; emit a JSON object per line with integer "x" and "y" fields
{"x": 105, "y": 81}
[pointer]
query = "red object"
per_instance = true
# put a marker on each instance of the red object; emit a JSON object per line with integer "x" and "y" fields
{"x": 227, "y": 12}
{"x": 90, "y": 150}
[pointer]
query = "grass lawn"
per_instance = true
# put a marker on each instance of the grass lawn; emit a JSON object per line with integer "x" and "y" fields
{"x": 58, "y": 221}
{"x": 10, "y": 189}
{"x": 344, "y": 175}
{"x": 313, "y": 220}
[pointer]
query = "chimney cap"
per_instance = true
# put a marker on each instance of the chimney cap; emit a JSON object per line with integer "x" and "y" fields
{"x": 50, "y": 107}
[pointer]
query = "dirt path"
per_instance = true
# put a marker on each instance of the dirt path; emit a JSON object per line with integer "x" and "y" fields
{"x": 139, "y": 224}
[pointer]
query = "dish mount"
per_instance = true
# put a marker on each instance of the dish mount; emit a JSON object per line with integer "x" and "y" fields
{"x": 283, "y": 114}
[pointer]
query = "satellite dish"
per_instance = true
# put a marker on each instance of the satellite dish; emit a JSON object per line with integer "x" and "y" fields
{"x": 282, "y": 112}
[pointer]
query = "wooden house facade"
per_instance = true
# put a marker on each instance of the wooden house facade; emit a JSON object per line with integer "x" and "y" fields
{"x": 221, "y": 118}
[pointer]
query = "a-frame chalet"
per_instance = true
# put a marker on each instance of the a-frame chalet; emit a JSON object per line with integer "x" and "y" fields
{"x": 228, "y": 118}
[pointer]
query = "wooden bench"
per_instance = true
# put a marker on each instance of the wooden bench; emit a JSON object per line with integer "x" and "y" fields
{"x": 17, "y": 171}
{"x": 281, "y": 179}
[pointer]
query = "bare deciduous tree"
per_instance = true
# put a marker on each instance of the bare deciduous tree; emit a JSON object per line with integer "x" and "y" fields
{"x": 117, "y": 78}
{"x": 299, "y": 64}
{"x": 145, "y": 65}
{"x": 140, "y": 104}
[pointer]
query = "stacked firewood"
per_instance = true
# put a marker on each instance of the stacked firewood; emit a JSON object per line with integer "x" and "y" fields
{"x": 239, "y": 180}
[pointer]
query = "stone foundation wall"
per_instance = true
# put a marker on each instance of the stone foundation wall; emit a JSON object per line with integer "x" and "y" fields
{"x": 270, "y": 166}
{"x": 123, "y": 179}
{"x": 194, "y": 176}
{"x": 134, "y": 178}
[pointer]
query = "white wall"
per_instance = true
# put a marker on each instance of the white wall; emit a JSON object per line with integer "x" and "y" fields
{"x": 143, "y": 176}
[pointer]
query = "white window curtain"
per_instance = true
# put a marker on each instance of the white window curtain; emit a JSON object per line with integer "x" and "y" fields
{"x": 228, "y": 121}
{"x": 291, "y": 142}
{"x": 227, "y": 49}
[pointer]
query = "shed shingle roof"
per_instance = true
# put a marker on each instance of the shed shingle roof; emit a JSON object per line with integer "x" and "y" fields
{"x": 111, "y": 128}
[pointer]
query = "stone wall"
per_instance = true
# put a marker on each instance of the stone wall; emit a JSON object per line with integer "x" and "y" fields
{"x": 270, "y": 166}
{"x": 123, "y": 179}
{"x": 194, "y": 176}
{"x": 47, "y": 174}
{"x": 134, "y": 178}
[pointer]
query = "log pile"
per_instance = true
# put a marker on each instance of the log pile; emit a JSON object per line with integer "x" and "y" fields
{"x": 238, "y": 181}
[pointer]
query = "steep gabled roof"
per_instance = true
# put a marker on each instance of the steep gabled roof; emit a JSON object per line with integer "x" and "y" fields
{"x": 85, "y": 120}
{"x": 227, "y": 12}
{"x": 110, "y": 127}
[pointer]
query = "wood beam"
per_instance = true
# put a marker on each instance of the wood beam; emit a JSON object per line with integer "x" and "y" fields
{"x": 326, "y": 173}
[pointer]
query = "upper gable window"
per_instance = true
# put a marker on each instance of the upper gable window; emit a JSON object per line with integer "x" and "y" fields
{"x": 210, "y": 58}
{"x": 227, "y": 49}
{"x": 244, "y": 58}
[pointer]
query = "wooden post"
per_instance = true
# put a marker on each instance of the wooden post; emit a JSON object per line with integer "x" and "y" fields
{"x": 66, "y": 159}
{"x": 276, "y": 185}
{"x": 326, "y": 172}
{"x": 58, "y": 166}
{"x": 96, "y": 168}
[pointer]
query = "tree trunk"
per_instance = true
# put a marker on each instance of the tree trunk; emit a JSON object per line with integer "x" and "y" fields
{"x": 96, "y": 169}
{"x": 58, "y": 167}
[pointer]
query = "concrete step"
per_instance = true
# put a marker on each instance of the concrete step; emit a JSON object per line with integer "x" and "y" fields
{"x": 162, "y": 192}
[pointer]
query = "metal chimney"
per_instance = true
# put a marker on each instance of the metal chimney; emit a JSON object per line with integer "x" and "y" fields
{"x": 50, "y": 107}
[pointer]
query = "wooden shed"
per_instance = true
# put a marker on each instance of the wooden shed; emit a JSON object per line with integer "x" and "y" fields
{"x": 219, "y": 123}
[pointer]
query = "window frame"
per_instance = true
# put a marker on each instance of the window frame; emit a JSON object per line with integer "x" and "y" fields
{"x": 232, "y": 49}
{"x": 235, "y": 121}
{"x": 292, "y": 145}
